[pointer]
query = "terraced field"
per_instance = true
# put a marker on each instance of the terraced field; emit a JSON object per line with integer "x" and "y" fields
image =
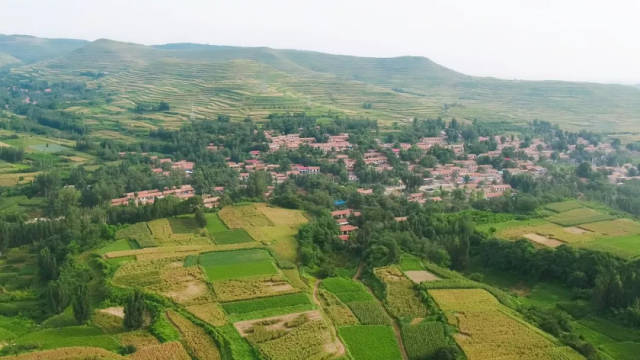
{"x": 489, "y": 330}
{"x": 576, "y": 224}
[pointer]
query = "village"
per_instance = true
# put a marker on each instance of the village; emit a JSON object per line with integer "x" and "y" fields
{"x": 464, "y": 172}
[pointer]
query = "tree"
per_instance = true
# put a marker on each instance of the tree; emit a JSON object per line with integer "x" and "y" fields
{"x": 80, "y": 303}
{"x": 48, "y": 265}
{"x": 134, "y": 310}
{"x": 584, "y": 170}
{"x": 57, "y": 298}
{"x": 201, "y": 219}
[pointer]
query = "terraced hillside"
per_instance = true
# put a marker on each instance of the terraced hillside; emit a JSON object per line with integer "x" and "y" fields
{"x": 204, "y": 81}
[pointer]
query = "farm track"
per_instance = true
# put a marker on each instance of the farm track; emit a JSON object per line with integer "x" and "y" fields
{"x": 394, "y": 322}
{"x": 334, "y": 333}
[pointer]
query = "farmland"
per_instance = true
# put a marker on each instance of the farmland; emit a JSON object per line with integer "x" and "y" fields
{"x": 401, "y": 298}
{"x": 268, "y": 306}
{"x": 488, "y": 329}
{"x": 575, "y": 224}
{"x": 370, "y": 342}
{"x": 237, "y": 264}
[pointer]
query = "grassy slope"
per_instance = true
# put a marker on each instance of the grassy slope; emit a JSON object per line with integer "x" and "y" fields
{"x": 257, "y": 81}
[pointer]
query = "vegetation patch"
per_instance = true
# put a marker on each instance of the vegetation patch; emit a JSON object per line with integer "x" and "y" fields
{"x": 139, "y": 233}
{"x": 214, "y": 224}
{"x": 307, "y": 339}
{"x": 401, "y": 299}
{"x": 579, "y": 216}
{"x": 347, "y": 290}
{"x": 369, "y": 312}
{"x": 167, "y": 351}
{"x": 488, "y": 329}
{"x": 249, "y": 288}
{"x": 209, "y": 312}
{"x": 424, "y": 339}
{"x": 223, "y": 265}
{"x": 235, "y": 236}
{"x": 197, "y": 342}
{"x": 370, "y": 342}
{"x": 618, "y": 227}
{"x": 269, "y": 306}
{"x": 563, "y": 206}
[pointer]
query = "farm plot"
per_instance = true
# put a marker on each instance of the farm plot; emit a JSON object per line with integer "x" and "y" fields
{"x": 370, "y": 342}
{"x": 166, "y": 276}
{"x": 419, "y": 276}
{"x": 268, "y": 306}
{"x": 139, "y": 233}
{"x": 303, "y": 337}
{"x": 251, "y": 287}
{"x": 243, "y": 216}
{"x": 68, "y": 353}
{"x": 424, "y": 339}
{"x": 401, "y": 298}
{"x": 209, "y": 312}
{"x": 196, "y": 341}
{"x": 167, "y": 351}
{"x": 338, "y": 312}
{"x": 223, "y": 265}
{"x": 163, "y": 234}
{"x": 235, "y": 236}
{"x": 214, "y": 224}
{"x": 564, "y": 206}
{"x": 618, "y": 227}
{"x": 362, "y": 304}
{"x": 626, "y": 247}
{"x": 519, "y": 229}
{"x": 488, "y": 329}
{"x": 579, "y": 216}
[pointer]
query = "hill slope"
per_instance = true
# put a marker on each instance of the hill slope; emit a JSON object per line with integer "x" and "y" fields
{"x": 203, "y": 80}
{"x": 30, "y": 49}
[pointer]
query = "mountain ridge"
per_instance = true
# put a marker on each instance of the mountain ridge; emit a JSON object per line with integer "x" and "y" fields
{"x": 255, "y": 81}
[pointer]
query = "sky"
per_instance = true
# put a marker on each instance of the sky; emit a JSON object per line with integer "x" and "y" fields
{"x": 577, "y": 40}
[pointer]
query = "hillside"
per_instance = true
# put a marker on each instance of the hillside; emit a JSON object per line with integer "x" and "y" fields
{"x": 203, "y": 81}
{"x": 30, "y": 49}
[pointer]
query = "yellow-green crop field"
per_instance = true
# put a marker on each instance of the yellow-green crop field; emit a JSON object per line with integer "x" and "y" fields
{"x": 489, "y": 330}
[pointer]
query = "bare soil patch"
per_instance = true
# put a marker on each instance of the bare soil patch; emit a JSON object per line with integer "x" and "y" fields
{"x": 543, "y": 240}
{"x": 114, "y": 310}
{"x": 418, "y": 276}
{"x": 275, "y": 322}
{"x": 575, "y": 230}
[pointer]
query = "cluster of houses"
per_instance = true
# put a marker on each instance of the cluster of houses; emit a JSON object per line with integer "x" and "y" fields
{"x": 468, "y": 175}
{"x": 342, "y": 219}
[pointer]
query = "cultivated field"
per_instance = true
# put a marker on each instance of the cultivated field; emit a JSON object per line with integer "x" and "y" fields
{"x": 578, "y": 216}
{"x": 224, "y": 265}
{"x": 489, "y": 330}
{"x": 370, "y": 342}
{"x": 367, "y": 310}
{"x": 402, "y": 299}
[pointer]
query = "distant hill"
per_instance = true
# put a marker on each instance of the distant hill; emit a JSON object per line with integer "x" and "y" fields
{"x": 30, "y": 49}
{"x": 206, "y": 80}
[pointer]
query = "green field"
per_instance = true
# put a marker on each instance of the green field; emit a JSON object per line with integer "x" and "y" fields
{"x": 564, "y": 205}
{"x": 269, "y": 306}
{"x": 347, "y": 290}
{"x": 183, "y": 225}
{"x": 235, "y": 264}
{"x": 214, "y": 224}
{"x": 81, "y": 335}
{"x": 423, "y": 340}
{"x": 579, "y": 216}
{"x": 235, "y": 236}
{"x": 118, "y": 245}
{"x": 370, "y": 342}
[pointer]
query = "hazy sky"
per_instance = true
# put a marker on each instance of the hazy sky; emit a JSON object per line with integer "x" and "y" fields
{"x": 537, "y": 39}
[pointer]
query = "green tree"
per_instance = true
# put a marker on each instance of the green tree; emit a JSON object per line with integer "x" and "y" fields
{"x": 134, "y": 309}
{"x": 201, "y": 219}
{"x": 80, "y": 303}
{"x": 48, "y": 265}
{"x": 57, "y": 298}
